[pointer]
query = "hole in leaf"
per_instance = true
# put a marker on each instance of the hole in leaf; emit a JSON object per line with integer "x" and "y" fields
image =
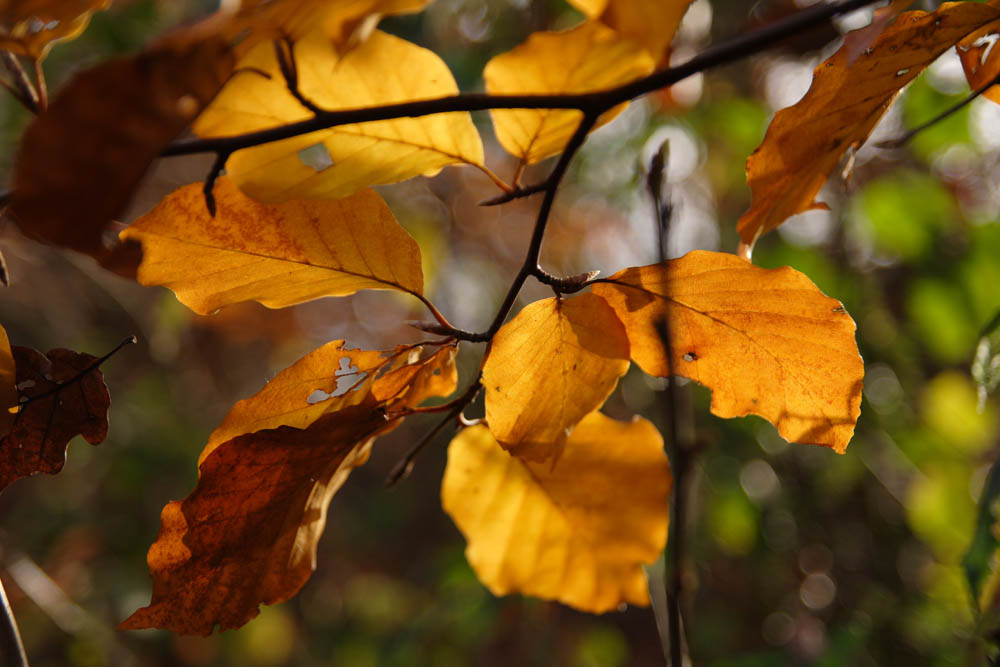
{"x": 347, "y": 376}
{"x": 316, "y": 157}
{"x": 317, "y": 396}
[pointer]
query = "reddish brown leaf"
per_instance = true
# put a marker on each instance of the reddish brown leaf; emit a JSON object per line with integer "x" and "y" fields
{"x": 847, "y": 98}
{"x": 981, "y": 60}
{"x": 8, "y": 384}
{"x": 248, "y": 533}
{"x": 51, "y": 415}
{"x": 80, "y": 161}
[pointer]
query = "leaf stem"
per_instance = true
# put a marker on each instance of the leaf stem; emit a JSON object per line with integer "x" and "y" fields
{"x": 22, "y": 88}
{"x": 11, "y": 646}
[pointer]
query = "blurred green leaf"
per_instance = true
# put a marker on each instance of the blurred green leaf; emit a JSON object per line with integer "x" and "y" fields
{"x": 986, "y": 363}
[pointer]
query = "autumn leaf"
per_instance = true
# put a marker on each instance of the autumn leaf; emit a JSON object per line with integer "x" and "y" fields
{"x": 980, "y": 61}
{"x": 81, "y": 159}
{"x": 339, "y": 161}
{"x": 62, "y": 395}
{"x": 765, "y": 341}
{"x": 247, "y": 535}
{"x": 8, "y": 384}
{"x": 277, "y": 254}
{"x": 587, "y": 58}
{"x": 345, "y": 22}
{"x": 847, "y": 98}
{"x": 649, "y": 23}
{"x": 29, "y": 27}
{"x": 555, "y": 362}
{"x": 578, "y": 532}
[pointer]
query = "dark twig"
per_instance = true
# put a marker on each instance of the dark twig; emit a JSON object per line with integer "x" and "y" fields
{"x": 11, "y": 648}
{"x": 22, "y": 89}
{"x": 285, "y": 55}
{"x": 405, "y": 465}
{"x": 907, "y": 136}
{"x": 593, "y": 103}
{"x": 131, "y": 340}
{"x": 213, "y": 175}
{"x": 516, "y": 193}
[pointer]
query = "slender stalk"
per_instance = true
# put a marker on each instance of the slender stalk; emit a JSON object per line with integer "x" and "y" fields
{"x": 22, "y": 88}
{"x": 597, "y": 102}
{"x": 11, "y": 647}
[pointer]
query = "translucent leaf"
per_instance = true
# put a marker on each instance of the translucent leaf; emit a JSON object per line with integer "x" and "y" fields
{"x": 579, "y": 531}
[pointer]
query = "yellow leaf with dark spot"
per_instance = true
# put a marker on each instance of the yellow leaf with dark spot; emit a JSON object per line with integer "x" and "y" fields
{"x": 554, "y": 363}
{"x": 765, "y": 341}
{"x": 578, "y": 532}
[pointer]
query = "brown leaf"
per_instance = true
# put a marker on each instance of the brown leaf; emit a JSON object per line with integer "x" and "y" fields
{"x": 765, "y": 341}
{"x": 81, "y": 159}
{"x": 980, "y": 61}
{"x": 847, "y": 98}
{"x": 8, "y": 384}
{"x": 54, "y": 414}
{"x": 248, "y": 533}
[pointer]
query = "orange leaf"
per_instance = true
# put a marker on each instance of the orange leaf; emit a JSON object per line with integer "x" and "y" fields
{"x": 50, "y": 415}
{"x": 587, "y": 58}
{"x": 248, "y": 533}
{"x": 80, "y": 160}
{"x": 29, "y": 27}
{"x": 650, "y": 23}
{"x": 578, "y": 532}
{"x": 554, "y": 363}
{"x": 765, "y": 341}
{"x": 279, "y": 255}
{"x": 806, "y": 141}
{"x": 981, "y": 61}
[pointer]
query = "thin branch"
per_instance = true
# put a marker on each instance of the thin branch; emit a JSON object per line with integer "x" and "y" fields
{"x": 22, "y": 88}
{"x": 597, "y": 102}
{"x": 213, "y": 175}
{"x": 907, "y": 136}
{"x": 405, "y": 465}
{"x": 131, "y": 340}
{"x": 285, "y": 55}
{"x": 516, "y": 193}
{"x": 11, "y": 646}
{"x": 41, "y": 87}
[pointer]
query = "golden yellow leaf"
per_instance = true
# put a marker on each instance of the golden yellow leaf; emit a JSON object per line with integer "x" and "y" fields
{"x": 587, "y": 58}
{"x": 578, "y": 532}
{"x": 345, "y": 22}
{"x": 765, "y": 341}
{"x": 590, "y": 8}
{"x": 554, "y": 363}
{"x": 339, "y": 161}
{"x": 8, "y": 384}
{"x": 650, "y": 23}
{"x": 29, "y": 27}
{"x": 277, "y": 254}
{"x": 847, "y": 97}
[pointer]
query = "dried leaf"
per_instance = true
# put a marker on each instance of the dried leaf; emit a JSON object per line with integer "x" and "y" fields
{"x": 248, "y": 533}
{"x": 80, "y": 160}
{"x": 8, "y": 384}
{"x": 980, "y": 61}
{"x": 341, "y": 160}
{"x": 550, "y": 366}
{"x": 44, "y": 426}
{"x": 847, "y": 98}
{"x": 29, "y": 27}
{"x": 279, "y": 255}
{"x": 578, "y": 532}
{"x": 587, "y": 58}
{"x": 765, "y": 341}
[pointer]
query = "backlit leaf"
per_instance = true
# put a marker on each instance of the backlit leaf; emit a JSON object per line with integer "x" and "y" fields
{"x": 29, "y": 27}
{"x": 650, "y": 23}
{"x": 341, "y": 160}
{"x": 80, "y": 160}
{"x": 547, "y": 368}
{"x": 587, "y": 58}
{"x": 980, "y": 61}
{"x": 765, "y": 341}
{"x": 54, "y": 414}
{"x": 578, "y": 532}
{"x": 247, "y": 535}
{"x": 847, "y": 98}
{"x": 8, "y": 384}
{"x": 277, "y": 254}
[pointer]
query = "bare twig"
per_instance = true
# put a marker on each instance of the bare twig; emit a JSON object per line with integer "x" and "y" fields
{"x": 516, "y": 193}
{"x": 11, "y": 647}
{"x": 285, "y": 55}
